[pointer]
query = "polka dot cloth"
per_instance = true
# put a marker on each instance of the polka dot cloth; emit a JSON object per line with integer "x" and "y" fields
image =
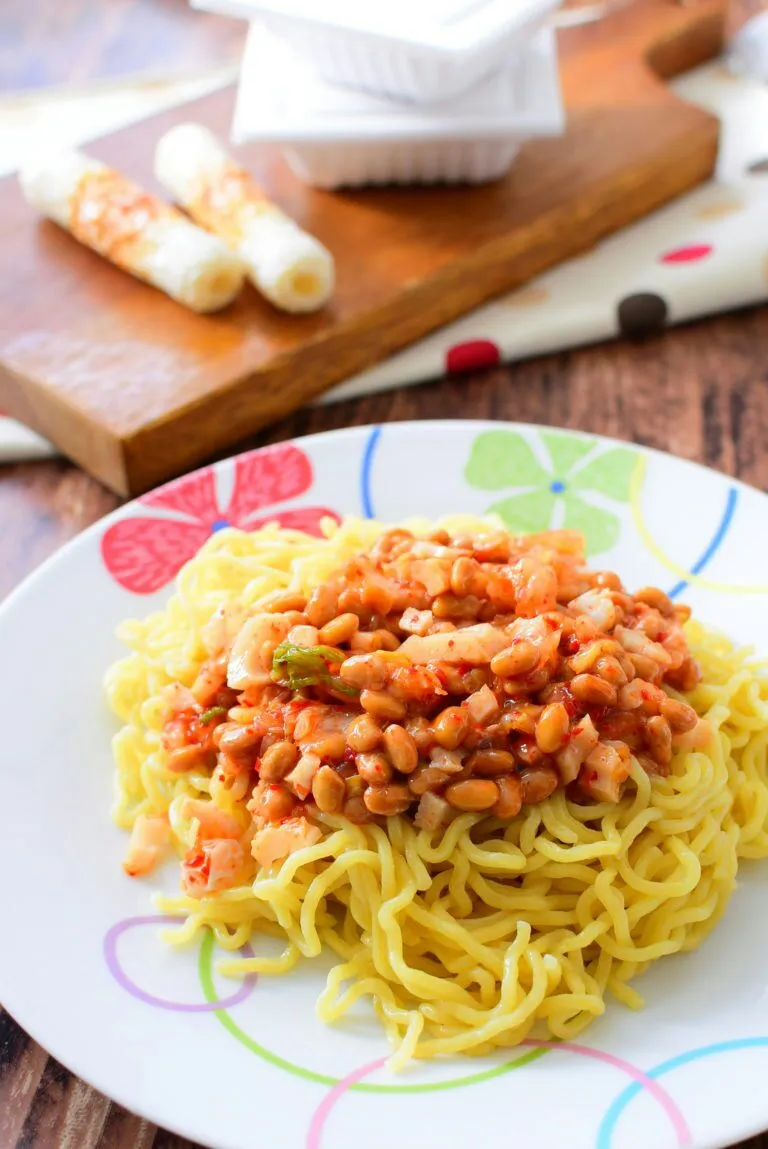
{"x": 641, "y": 314}
{"x": 472, "y": 355}
{"x": 688, "y": 254}
{"x": 719, "y": 210}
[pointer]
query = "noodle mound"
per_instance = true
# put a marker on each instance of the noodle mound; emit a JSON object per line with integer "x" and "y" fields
{"x": 466, "y": 937}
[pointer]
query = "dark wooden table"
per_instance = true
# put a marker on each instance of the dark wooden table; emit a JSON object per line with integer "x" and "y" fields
{"x": 699, "y": 391}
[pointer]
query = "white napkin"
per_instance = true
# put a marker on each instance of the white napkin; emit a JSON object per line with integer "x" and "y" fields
{"x": 699, "y": 255}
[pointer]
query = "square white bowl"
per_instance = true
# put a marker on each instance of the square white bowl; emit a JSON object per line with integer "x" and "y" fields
{"x": 420, "y": 50}
{"x": 334, "y": 137}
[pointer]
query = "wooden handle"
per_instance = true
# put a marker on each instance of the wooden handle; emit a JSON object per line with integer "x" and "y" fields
{"x": 636, "y": 48}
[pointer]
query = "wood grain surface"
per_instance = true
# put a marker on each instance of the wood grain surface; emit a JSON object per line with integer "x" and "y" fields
{"x": 700, "y": 391}
{"x": 136, "y": 410}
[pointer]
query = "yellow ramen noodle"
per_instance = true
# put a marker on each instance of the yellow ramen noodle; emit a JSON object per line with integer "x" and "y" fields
{"x": 466, "y": 938}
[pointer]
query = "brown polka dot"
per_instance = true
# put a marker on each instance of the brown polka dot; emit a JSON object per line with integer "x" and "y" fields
{"x": 719, "y": 210}
{"x": 526, "y": 297}
{"x": 642, "y": 314}
{"x": 759, "y": 167}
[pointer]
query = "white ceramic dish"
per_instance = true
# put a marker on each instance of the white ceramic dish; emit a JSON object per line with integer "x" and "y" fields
{"x": 425, "y": 51}
{"x": 81, "y": 966}
{"x": 333, "y": 137}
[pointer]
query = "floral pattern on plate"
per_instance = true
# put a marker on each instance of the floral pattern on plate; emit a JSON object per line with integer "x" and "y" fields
{"x": 558, "y": 493}
{"x": 143, "y": 554}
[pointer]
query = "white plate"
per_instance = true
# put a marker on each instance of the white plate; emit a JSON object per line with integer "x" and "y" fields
{"x": 88, "y": 979}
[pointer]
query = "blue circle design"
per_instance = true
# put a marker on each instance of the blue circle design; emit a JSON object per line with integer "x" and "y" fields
{"x": 714, "y": 545}
{"x": 366, "y": 467}
{"x": 220, "y": 524}
{"x": 608, "y": 1124}
{"x": 557, "y": 486}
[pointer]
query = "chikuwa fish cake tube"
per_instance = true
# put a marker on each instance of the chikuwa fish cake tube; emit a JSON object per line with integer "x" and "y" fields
{"x": 133, "y": 229}
{"x": 292, "y": 269}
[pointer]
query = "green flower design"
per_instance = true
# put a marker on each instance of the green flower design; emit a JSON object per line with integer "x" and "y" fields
{"x": 503, "y": 459}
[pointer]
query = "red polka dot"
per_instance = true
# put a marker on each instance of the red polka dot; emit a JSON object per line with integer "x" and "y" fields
{"x": 688, "y": 254}
{"x": 472, "y": 355}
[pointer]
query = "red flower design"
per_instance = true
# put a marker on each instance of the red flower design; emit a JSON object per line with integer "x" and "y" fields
{"x": 143, "y": 554}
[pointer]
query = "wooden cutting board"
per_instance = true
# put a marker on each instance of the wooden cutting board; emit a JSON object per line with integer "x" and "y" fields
{"x": 136, "y": 389}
